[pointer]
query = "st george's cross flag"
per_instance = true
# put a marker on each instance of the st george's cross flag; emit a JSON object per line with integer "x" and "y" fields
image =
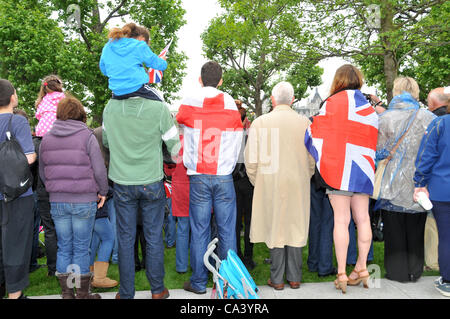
{"x": 343, "y": 139}
{"x": 156, "y": 75}
{"x": 168, "y": 189}
{"x": 212, "y": 131}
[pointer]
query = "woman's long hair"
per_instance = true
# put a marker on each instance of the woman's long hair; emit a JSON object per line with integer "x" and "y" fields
{"x": 347, "y": 77}
{"x": 129, "y": 30}
{"x": 51, "y": 83}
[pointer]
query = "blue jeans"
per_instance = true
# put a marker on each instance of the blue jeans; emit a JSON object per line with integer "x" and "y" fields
{"x": 321, "y": 224}
{"x": 208, "y": 192}
{"x": 151, "y": 199}
{"x": 169, "y": 225}
{"x": 352, "y": 250}
{"x": 102, "y": 242}
{"x": 112, "y": 219}
{"x": 74, "y": 224}
{"x": 441, "y": 212}
{"x": 182, "y": 248}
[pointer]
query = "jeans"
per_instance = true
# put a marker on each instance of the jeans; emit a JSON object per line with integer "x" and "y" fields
{"x": 352, "y": 250}
{"x": 208, "y": 192}
{"x": 151, "y": 199}
{"x": 102, "y": 242}
{"x": 441, "y": 212}
{"x": 182, "y": 248}
{"x": 112, "y": 219}
{"x": 169, "y": 225}
{"x": 74, "y": 223}
{"x": 321, "y": 224}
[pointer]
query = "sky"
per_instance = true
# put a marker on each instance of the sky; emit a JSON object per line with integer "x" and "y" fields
{"x": 198, "y": 15}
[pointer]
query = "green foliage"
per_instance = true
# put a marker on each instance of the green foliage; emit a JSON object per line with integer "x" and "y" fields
{"x": 254, "y": 41}
{"x": 30, "y": 44}
{"x": 411, "y": 38}
{"x": 34, "y": 45}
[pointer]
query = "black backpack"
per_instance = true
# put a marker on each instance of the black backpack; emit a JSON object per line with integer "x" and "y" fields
{"x": 15, "y": 173}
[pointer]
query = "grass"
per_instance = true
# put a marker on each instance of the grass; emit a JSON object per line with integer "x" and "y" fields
{"x": 41, "y": 285}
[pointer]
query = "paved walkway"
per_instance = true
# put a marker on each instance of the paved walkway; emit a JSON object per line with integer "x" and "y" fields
{"x": 384, "y": 289}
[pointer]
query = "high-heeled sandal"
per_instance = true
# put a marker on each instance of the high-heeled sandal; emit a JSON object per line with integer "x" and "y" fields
{"x": 341, "y": 284}
{"x": 359, "y": 279}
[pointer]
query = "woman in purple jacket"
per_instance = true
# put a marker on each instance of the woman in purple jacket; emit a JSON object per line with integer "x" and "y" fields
{"x": 74, "y": 174}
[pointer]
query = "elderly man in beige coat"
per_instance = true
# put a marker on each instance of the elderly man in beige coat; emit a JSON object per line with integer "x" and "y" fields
{"x": 280, "y": 167}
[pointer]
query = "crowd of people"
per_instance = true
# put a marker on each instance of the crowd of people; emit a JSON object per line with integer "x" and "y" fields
{"x": 145, "y": 178}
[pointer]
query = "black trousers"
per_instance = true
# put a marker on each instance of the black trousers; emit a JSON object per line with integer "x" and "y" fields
{"x": 146, "y": 91}
{"x": 404, "y": 245}
{"x": 140, "y": 238}
{"x": 244, "y": 197}
{"x": 16, "y": 240}
{"x": 51, "y": 245}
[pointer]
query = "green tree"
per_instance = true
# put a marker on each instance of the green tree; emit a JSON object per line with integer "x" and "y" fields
{"x": 385, "y": 37}
{"x": 253, "y": 41}
{"x": 163, "y": 18}
{"x": 31, "y": 42}
{"x": 73, "y": 49}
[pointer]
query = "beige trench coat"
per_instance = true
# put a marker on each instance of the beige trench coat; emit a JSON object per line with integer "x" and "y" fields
{"x": 280, "y": 167}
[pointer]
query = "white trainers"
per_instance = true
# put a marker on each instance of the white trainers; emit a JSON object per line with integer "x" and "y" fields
{"x": 443, "y": 288}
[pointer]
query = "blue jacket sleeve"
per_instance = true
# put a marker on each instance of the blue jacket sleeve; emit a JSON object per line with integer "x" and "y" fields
{"x": 428, "y": 154}
{"x": 102, "y": 66}
{"x": 150, "y": 59}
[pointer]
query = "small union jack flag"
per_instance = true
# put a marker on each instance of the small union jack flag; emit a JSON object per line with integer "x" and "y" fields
{"x": 156, "y": 75}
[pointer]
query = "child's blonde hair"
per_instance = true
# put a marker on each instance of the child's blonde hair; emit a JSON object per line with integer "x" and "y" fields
{"x": 51, "y": 83}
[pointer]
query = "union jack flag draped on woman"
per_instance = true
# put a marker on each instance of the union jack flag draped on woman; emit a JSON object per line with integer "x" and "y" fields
{"x": 343, "y": 139}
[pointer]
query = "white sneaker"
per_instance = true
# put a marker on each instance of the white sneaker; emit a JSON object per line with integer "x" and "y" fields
{"x": 443, "y": 288}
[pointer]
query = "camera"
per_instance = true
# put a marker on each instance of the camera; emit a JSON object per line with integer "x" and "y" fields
{"x": 369, "y": 99}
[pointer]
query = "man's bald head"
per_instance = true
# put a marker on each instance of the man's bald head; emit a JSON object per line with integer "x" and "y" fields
{"x": 436, "y": 99}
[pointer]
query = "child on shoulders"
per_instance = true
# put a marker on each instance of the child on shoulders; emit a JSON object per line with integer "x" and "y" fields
{"x": 122, "y": 62}
{"x": 47, "y": 102}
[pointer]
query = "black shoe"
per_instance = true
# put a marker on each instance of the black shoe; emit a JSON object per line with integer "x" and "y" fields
{"x": 41, "y": 253}
{"x": 267, "y": 261}
{"x": 34, "y": 268}
{"x": 181, "y": 272}
{"x": 187, "y": 286}
{"x": 51, "y": 273}
{"x": 331, "y": 273}
{"x": 22, "y": 296}
{"x": 249, "y": 264}
{"x": 137, "y": 267}
{"x": 413, "y": 278}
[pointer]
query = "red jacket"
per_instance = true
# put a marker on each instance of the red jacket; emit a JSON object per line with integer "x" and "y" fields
{"x": 180, "y": 187}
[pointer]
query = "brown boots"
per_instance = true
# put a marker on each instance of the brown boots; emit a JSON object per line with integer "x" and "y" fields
{"x": 82, "y": 292}
{"x": 66, "y": 292}
{"x": 100, "y": 279}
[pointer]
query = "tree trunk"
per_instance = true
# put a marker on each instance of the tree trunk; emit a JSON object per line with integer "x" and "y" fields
{"x": 258, "y": 103}
{"x": 390, "y": 67}
{"x": 390, "y": 73}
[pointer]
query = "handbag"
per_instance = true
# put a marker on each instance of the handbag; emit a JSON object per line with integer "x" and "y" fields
{"x": 382, "y": 164}
{"x": 377, "y": 226}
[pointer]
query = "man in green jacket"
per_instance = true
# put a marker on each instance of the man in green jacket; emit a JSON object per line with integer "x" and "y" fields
{"x": 134, "y": 130}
